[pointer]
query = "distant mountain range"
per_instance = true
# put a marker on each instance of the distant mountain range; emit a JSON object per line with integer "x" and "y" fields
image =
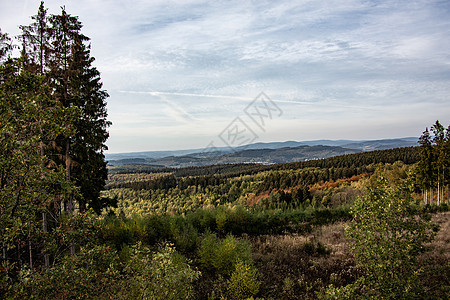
{"x": 264, "y": 153}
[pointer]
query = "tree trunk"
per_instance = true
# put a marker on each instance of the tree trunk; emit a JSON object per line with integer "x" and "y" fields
{"x": 30, "y": 252}
{"x": 70, "y": 200}
{"x": 45, "y": 230}
{"x": 438, "y": 192}
{"x": 443, "y": 185}
{"x": 68, "y": 176}
{"x": 19, "y": 259}
{"x": 448, "y": 194}
{"x": 44, "y": 213}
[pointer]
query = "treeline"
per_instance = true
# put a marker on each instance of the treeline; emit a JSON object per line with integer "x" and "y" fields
{"x": 408, "y": 155}
{"x": 333, "y": 168}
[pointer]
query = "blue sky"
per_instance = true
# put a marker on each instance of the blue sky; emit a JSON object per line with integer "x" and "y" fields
{"x": 179, "y": 73}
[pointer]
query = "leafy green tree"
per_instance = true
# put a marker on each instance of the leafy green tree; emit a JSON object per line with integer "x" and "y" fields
{"x": 90, "y": 173}
{"x": 160, "y": 275}
{"x": 387, "y": 234}
{"x": 27, "y": 187}
{"x": 94, "y": 273}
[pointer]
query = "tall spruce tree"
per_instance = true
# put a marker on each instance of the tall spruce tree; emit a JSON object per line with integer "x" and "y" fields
{"x": 88, "y": 143}
{"x": 5, "y": 45}
{"x": 35, "y": 38}
{"x": 77, "y": 83}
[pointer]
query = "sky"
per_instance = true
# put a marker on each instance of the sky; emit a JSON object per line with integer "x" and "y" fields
{"x": 198, "y": 74}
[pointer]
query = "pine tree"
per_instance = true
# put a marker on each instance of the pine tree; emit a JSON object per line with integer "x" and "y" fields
{"x": 36, "y": 43}
{"x": 440, "y": 158}
{"x": 89, "y": 141}
{"x": 77, "y": 83}
{"x": 5, "y": 45}
{"x": 425, "y": 166}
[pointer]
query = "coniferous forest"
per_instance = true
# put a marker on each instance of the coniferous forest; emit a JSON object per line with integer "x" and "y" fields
{"x": 371, "y": 225}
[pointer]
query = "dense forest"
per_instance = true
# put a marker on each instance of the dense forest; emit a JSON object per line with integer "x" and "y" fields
{"x": 371, "y": 225}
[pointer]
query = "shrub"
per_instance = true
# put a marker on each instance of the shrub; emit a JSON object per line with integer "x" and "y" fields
{"x": 244, "y": 282}
{"x": 157, "y": 228}
{"x": 387, "y": 235}
{"x": 91, "y": 273}
{"x": 160, "y": 275}
{"x": 223, "y": 255}
{"x": 184, "y": 234}
{"x": 207, "y": 250}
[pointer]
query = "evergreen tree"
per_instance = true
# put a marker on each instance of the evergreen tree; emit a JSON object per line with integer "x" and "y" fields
{"x": 77, "y": 83}
{"x": 425, "y": 166}
{"x": 5, "y": 45}
{"x": 440, "y": 158}
{"x": 89, "y": 141}
{"x": 36, "y": 43}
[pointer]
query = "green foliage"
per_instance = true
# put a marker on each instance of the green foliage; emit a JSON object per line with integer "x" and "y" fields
{"x": 244, "y": 283}
{"x": 434, "y": 164}
{"x": 282, "y": 186}
{"x": 92, "y": 273}
{"x": 222, "y": 255}
{"x": 28, "y": 187}
{"x": 5, "y": 45}
{"x": 159, "y": 275}
{"x": 185, "y": 235}
{"x": 387, "y": 234}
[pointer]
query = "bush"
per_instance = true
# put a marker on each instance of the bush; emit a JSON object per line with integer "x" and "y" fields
{"x": 161, "y": 275}
{"x": 244, "y": 282}
{"x": 387, "y": 235}
{"x": 92, "y": 273}
{"x": 223, "y": 255}
{"x": 184, "y": 234}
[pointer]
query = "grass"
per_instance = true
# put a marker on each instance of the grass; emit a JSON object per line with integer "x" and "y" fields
{"x": 435, "y": 264}
{"x": 298, "y": 266}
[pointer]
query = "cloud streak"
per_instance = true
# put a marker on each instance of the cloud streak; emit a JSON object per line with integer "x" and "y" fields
{"x": 180, "y": 71}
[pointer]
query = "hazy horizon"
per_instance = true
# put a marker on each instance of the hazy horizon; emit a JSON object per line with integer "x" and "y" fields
{"x": 183, "y": 74}
{"x": 263, "y": 142}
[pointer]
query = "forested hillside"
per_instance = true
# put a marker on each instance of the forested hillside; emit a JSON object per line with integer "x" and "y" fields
{"x": 370, "y": 225}
{"x": 274, "y": 186}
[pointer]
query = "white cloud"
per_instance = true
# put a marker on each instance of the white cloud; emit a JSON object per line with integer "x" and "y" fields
{"x": 179, "y": 71}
